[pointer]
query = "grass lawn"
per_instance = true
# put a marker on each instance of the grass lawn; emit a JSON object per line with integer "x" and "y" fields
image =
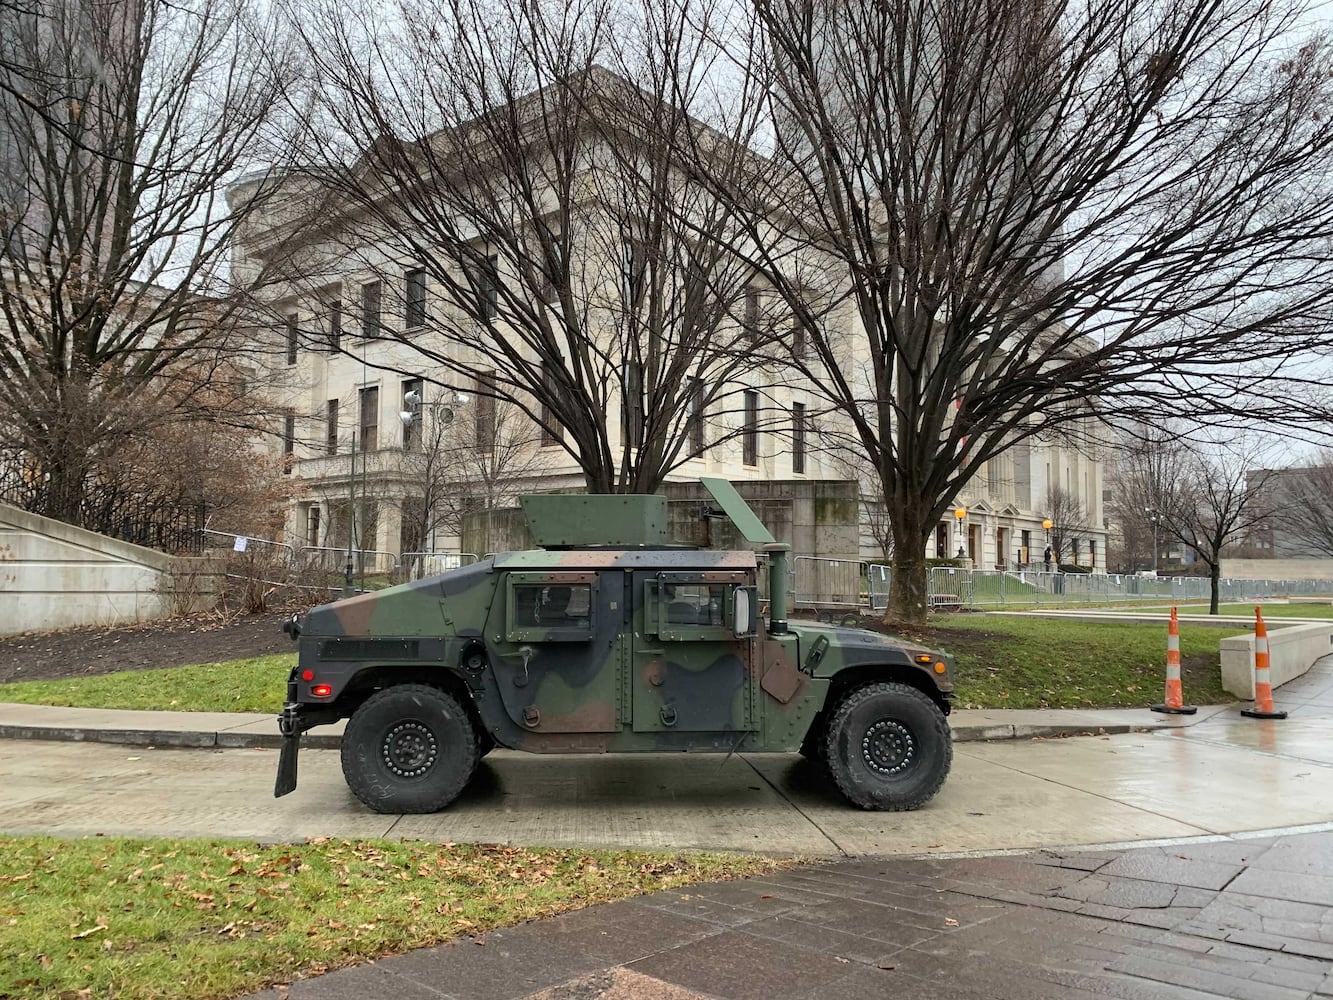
{"x": 1003, "y": 662}
{"x": 198, "y": 919}
{"x": 1045, "y": 663}
{"x": 258, "y": 684}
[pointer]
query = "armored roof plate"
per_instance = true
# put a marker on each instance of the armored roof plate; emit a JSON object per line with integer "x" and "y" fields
{"x": 735, "y": 507}
{"x": 574, "y": 520}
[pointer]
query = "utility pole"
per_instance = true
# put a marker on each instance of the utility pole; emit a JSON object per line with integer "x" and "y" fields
{"x": 351, "y": 518}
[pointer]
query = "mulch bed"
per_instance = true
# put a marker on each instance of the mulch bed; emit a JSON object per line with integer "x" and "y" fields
{"x": 176, "y": 642}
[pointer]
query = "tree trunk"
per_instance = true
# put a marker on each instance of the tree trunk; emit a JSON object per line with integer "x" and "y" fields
{"x": 907, "y": 578}
{"x": 1215, "y": 586}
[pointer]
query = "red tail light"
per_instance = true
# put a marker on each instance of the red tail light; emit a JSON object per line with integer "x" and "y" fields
{"x": 321, "y": 691}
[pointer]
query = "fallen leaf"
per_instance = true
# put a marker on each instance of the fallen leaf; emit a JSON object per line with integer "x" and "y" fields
{"x": 90, "y": 931}
{"x": 950, "y": 922}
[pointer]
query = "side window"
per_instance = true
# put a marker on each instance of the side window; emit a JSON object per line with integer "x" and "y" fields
{"x": 550, "y": 607}
{"x": 691, "y": 606}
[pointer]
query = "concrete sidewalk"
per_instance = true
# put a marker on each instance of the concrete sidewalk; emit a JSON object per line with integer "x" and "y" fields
{"x": 250, "y": 730}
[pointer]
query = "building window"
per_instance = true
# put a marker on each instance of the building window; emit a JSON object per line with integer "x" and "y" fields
{"x": 312, "y": 527}
{"x": 485, "y": 411}
{"x": 370, "y": 418}
{"x": 415, "y": 313}
{"x": 553, "y": 270}
{"x": 631, "y": 410}
{"x": 288, "y": 443}
{"x": 331, "y": 427}
{"x": 293, "y": 337}
{"x": 632, "y": 268}
{"x": 412, "y": 424}
{"x": 488, "y": 288}
{"x": 694, "y": 420}
{"x": 551, "y": 433}
{"x": 1092, "y": 553}
{"x": 800, "y": 337}
{"x": 798, "y": 425}
{"x": 370, "y": 309}
{"x": 752, "y": 315}
{"x": 750, "y": 429}
{"x": 335, "y": 325}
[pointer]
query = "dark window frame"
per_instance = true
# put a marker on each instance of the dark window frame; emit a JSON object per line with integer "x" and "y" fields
{"x": 414, "y": 298}
{"x": 799, "y": 427}
{"x": 331, "y": 426}
{"x": 750, "y": 428}
{"x": 372, "y": 293}
{"x": 369, "y": 431}
{"x": 293, "y": 337}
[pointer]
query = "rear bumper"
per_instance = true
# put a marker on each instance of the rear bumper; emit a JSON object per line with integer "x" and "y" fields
{"x": 295, "y": 720}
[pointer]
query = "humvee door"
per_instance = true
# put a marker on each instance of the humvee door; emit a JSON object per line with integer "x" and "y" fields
{"x": 690, "y": 671}
{"x": 554, "y": 640}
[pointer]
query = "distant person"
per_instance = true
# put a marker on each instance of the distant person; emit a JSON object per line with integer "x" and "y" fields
{"x": 1046, "y": 558}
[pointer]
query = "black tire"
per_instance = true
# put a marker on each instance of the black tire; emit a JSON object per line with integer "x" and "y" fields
{"x": 888, "y": 747}
{"x": 410, "y": 748}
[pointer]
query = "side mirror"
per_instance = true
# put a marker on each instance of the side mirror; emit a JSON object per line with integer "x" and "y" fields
{"x": 744, "y": 600}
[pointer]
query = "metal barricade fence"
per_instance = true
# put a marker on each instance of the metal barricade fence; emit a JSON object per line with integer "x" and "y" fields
{"x": 821, "y": 582}
{"x": 877, "y": 586}
{"x": 250, "y": 544}
{"x": 955, "y": 586}
{"x": 415, "y": 565}
{"x": 365, "y": 562}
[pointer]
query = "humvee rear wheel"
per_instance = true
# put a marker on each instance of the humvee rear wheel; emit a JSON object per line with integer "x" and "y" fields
{"x": 888, "y": 747}
{"x": 409, "y": 749}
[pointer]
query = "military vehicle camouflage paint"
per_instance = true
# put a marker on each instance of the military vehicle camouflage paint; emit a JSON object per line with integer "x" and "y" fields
{"x": 636, "y": 647}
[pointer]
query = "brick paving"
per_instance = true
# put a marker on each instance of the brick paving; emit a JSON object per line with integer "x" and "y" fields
{"x": 1241, "y": 919}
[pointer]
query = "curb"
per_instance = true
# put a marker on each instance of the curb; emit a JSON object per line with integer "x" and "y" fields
{"x": 164, "y": 738}
{"x": 271, "y": 741}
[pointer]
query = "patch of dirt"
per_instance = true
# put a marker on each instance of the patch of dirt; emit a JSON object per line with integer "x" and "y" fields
{"x": 175, "y": 642}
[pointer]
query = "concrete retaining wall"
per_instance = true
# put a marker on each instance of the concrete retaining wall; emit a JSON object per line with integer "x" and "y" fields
{"x": 54, "y": 575}
{"x": 1292, "y": 650}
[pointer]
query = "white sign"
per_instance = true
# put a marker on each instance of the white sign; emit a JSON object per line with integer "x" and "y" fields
{"x": 241, "y": 543}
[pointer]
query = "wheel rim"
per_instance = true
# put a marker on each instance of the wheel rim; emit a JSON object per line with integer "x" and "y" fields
{"x": 410, "y": 749}
{"x": 888, "y": 747}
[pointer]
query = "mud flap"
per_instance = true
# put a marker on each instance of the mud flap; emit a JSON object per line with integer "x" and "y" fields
{"x": 287, "y": 766}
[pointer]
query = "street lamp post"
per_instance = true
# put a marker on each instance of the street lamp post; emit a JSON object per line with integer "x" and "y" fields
{"x": 960, "y": 512}
{"x": 1046, "y": 524}
{"x": 447, "y": 408}
{"x": 1154, "y": 518}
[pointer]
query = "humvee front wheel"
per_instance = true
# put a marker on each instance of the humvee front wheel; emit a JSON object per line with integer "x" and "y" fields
{"x": 409, "y": 749}
{"x": 887, "y": 746}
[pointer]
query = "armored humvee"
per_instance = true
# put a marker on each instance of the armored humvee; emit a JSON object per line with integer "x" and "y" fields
{"x": 609, "y": 639}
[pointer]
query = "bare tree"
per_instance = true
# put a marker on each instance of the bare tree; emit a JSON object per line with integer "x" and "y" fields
{"x": 999, "y": 219}
{"x": 1217, "y": 503}
{"x": 128, "y": 120}
{"x": 1301, "y": 500}
{"x": 1148, "y": 466}
{"x": 487, "y": 151}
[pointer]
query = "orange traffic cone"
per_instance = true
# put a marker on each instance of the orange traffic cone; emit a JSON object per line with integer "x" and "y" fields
{"x": 1175, "y": 701}
{"x": 1263, "y": 690}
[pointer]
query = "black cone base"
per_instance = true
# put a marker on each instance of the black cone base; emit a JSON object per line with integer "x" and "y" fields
{"x": 1182, "y": 710}
{"x": 1254, "y": 713}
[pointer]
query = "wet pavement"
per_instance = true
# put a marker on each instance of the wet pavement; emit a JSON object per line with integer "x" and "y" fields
{"x": 1242, "y": 919}
{"x": 1211, "y": 910}
{"x": 1212, "y": 774}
